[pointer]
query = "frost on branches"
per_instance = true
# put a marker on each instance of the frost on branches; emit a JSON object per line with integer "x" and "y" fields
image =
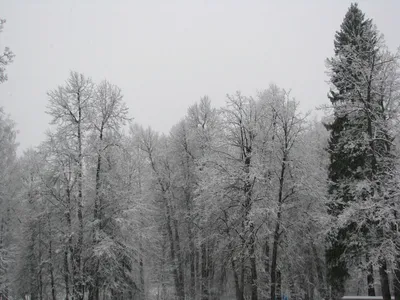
{"x": 363, "y": 159}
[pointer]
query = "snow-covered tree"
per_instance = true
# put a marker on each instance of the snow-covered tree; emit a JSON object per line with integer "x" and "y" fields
{"x": 69, "y": 107}
{"x": 364, "y": 101}
{"x": 108, "y": 113}
{"x": 6, "y": 57}
{"x": 8, "y": 201}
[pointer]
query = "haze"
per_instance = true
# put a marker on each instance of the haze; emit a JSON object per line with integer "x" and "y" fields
{"x": 165, "y": 55}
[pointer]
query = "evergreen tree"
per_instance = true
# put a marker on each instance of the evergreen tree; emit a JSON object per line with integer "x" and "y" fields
{"x": 360, "y": 152}
{"x": 344, "y": 161}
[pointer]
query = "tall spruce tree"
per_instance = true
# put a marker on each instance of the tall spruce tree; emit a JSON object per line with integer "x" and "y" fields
{"x": 359, "y": 152}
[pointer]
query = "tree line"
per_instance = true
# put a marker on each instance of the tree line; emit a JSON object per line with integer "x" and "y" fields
{"x": 253, "y": 200}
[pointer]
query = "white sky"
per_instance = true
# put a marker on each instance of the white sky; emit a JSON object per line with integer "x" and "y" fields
{"x": 165, "y": 55}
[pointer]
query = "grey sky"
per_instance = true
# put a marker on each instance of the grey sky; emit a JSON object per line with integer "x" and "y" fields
{"x": 165, "y": 55}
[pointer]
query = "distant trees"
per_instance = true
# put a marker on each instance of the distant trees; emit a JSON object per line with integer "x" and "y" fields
{"x": 8, "y": 196}
{"x": 8, "y": 187}
{"x": 5, "y": 58}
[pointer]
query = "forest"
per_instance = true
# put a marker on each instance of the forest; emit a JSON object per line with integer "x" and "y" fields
{"x": 252, "y": 200}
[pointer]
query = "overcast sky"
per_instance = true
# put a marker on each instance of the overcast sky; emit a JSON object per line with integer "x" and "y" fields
{"x": 165, "y": 55}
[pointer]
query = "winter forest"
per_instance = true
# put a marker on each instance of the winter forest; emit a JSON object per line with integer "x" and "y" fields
{"x": 252, "y": 200}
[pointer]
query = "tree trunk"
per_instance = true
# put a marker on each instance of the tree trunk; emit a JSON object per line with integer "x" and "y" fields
{"x": 384, "y": 279}
{"x": 311, "y": 280}
{"x": 204, "y": 272}
{"x": 32, "y": 270}
{"x": 274, "y": 258}
{"x": 181, "y": 281}
{"x": 238, "y": 288}
{"x": 68, "y": 254}
{"x": 278, "y": 285}
{"x": 51, "y": 267}
{"x": 242, "y": 272}
{"x": 253, "y": 266}
{"x": 266, "y": 266}
{"x": 370, "y": 275}
{"x": 192, "y": 251}
{"x": 198, "y": 273}
{"x": 94, "y": 291}
{"x": 248, "y": 205}
{"x": 173, "y": 251}
{"x": 66, "y": 273}
{"x": 1, "y": 248}
{"x": 192, "y": 279}
{"x": 40, "y": 273}
{"x": 188, "y": 198}
{"x": 319, "y": 268}
{"x": 79, "y": 291}
{"x": 396, "y": 280}
{"x": 162, "y": 275}
{"x": 277, "y": 225}
{"x": 142, "y": 286}
{"x": 292, "y": 290}
{"x": 210, "y": 269}
{"x": 370, "y": 278}
{"x": 222, "y": 283}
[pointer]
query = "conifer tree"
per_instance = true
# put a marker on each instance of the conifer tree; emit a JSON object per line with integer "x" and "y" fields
{"x": 360, "y": 150}
{"x": 343, "y": 165}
